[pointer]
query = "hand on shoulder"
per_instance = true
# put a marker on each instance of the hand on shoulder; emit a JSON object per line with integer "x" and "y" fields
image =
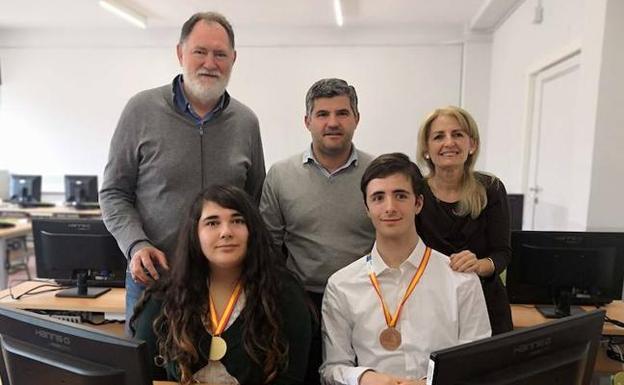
{"x": 467, "y": 262}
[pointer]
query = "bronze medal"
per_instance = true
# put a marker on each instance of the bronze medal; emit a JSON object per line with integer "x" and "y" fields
{"x": 218, "y": 347}
{"x": 390, "y": 338}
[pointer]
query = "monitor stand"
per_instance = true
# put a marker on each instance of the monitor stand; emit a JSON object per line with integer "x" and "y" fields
{"x": 82, "y": 290}
{"x": 561, "y": 308}
{"x": 552, "y": 311}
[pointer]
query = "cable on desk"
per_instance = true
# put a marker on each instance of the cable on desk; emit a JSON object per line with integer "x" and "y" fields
{"x": 615, "y": 344}
{"x": 32, "y": 291}
{"x": 615, "y": 348}
{"x": 614, "y": 321}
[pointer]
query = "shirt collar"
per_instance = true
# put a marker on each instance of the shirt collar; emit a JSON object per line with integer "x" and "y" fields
{"x": 308, "y": 156}
{"x": 379, "y": 266}
{"x": 184, "y": 106}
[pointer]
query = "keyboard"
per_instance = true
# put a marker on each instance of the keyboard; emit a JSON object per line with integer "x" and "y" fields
{"x": 32, "y": 205}
{"x": 76, "y": 317}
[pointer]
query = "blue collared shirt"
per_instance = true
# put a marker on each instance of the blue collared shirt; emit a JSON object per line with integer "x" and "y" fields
{"x": 308, "y": 157}
{"x": 184, "y": 105}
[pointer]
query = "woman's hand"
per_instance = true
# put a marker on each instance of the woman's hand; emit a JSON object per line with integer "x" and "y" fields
{"x": 467, "y": 262}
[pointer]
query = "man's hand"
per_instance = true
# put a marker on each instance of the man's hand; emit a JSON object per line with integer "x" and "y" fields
{"x": 466, "y": 262}
{"x": 375, "y": 378}
{"x": 142, "y": 264}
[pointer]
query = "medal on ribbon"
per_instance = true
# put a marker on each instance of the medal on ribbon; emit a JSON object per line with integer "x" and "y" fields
{"x": 390, "y": 337}
{"x": 218, "y": 346}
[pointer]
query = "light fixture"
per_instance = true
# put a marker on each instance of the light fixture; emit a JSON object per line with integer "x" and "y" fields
{"x": 125, "y": 12}
{"x": 338, "y": 13}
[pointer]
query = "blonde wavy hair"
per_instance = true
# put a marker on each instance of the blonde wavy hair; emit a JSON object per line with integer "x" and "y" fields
{"x": 473, "y": 197}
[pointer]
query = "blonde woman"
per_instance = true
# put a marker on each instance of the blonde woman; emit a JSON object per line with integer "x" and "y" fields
{"x": 465, "y": 213}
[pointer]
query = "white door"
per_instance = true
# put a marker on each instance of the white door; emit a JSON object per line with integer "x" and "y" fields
{"x": 556, "y": 142}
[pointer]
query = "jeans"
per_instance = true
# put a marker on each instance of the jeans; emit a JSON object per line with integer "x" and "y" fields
{"x": 133, "y": 293}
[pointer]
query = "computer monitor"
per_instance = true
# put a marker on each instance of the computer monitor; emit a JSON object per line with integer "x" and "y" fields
{"x": 565, "y": 268}
{"x": 557, "y": 352}
{"x": 78, "y": 250}
{"x": 39, "y": 350}
{"x": 25, "y": 188}
{"x": 81, "y": 188}
{"x": 516, "y": 210}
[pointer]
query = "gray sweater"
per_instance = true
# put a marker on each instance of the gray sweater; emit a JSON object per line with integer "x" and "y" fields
{"x": 322, "y": 221}
{"x": 160, "y": 160}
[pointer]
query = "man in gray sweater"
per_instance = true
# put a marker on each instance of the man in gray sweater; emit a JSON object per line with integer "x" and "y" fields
{"x": 172, "y": 142}
{"x": 311, "y": 202}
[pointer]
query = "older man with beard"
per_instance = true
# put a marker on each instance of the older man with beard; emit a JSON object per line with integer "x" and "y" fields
{"x": 173, "y": 141}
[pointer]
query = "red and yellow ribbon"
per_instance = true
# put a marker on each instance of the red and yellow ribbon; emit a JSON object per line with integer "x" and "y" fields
{"x": 218, "y": 325}
{"x": 391, "y": 321}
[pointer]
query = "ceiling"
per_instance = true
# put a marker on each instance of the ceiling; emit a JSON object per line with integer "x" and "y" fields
{"x": 248, "y": 13}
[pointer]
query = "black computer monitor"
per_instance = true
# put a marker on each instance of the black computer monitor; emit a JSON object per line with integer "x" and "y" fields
{"x": 80, "y": 251}
{"x": 516, "y": 210}
{"x": 25, "y": 188}
{"x": 557, "y": 352}
{"x": 565, "y": 268}
{"x": 39, "y": 350}
{"x": 81, "y": 188}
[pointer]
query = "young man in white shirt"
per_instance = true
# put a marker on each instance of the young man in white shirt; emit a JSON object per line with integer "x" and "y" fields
{"x": 386, "y": 312}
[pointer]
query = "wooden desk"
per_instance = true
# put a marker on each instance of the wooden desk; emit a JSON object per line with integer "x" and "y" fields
{"x": 526, "y": 316}
{"x": 20, "y": 230}
{"x": 113, "y": 302}
{"x": 47, "y": 212}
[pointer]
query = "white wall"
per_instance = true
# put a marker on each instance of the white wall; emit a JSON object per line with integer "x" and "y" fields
{"x": 63, "y": 91}
{"x": 60, "y": 105}
{"x": 517, "y": 47}
{"x": 606, "y": 211}
{"x": 475, "y": 88}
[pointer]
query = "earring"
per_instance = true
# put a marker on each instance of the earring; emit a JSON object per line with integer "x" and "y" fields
{"x": 471, "y": 152}
{"x": 426, "y": 156}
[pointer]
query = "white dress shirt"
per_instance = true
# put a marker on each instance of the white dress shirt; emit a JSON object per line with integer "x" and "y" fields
{"x": 447, "y": 308}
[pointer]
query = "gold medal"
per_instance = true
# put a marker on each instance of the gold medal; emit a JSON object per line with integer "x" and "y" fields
{"x": 390, "y": 338}
{"x": 218, "y": 347}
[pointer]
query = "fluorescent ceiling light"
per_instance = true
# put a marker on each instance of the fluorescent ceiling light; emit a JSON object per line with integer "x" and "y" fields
{"x": 338, "y": 13}
{"x": 126, "y": 13}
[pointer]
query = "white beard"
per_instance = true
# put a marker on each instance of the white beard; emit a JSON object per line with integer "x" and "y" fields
{"x": 204, "y": 93}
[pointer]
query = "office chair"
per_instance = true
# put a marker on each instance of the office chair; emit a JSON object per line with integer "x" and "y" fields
{"x": 17, "y": 256}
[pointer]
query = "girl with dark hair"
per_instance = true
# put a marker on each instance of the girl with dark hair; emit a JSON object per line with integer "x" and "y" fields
{"x": 228, "y": 312}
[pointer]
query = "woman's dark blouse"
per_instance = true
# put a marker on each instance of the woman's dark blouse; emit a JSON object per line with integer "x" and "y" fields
{"x": 296, "y": 329}
{"x": 488, "y": 236}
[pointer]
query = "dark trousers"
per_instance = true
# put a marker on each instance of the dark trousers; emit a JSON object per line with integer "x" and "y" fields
{"x": 316, "y": 349}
